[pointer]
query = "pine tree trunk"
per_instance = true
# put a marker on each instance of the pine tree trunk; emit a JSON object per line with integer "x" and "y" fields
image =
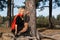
{"x": 30, "y": 6}
{"x": 12, "y": 8}
{"x": 50, "y": 14}
{"x": 9, "y": 12}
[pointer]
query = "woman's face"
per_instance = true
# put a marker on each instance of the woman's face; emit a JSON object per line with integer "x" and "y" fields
{"x": 21, "y": 11}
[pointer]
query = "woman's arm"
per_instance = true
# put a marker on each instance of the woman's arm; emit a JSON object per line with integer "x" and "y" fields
{"x": 15, "y": 29}
{"x": 25, "y": 28}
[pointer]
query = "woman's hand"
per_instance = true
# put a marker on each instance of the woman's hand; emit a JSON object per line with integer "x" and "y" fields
{"x": 19, "y": 33}
{"x": 15, "y": 32}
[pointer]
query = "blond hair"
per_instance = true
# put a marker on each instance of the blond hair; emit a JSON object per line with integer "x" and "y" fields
{"x": 21, "y": 9}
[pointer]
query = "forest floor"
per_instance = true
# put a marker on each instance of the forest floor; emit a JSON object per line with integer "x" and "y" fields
{"x": 52, "y": 33}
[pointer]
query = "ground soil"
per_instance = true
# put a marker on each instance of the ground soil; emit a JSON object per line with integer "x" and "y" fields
{"x": 54, "y": 33}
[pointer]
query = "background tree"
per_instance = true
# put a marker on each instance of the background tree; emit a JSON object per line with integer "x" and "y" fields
{"x": 9, "y": 11}
{"x": 50, "y": 14}
{"x": 42, "y": 21}
{"x": 58, "y": 17}
{"x": 57, "y": 2}
{"x": 12, "y": 8}
{"x": 3, "y": 4}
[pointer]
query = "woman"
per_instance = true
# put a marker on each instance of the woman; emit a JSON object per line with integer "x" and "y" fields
{"x": 19, "y": 27}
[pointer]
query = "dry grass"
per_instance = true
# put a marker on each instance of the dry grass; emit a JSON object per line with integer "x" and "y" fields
{"x": 4, "y": 29}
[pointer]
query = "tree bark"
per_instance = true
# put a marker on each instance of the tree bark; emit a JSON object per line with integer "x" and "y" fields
{"x": 30, "y": 6}
{"x": 12, "y": 8}
{"x": 50, "y": 14}
{"x": 9, "y": 12}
